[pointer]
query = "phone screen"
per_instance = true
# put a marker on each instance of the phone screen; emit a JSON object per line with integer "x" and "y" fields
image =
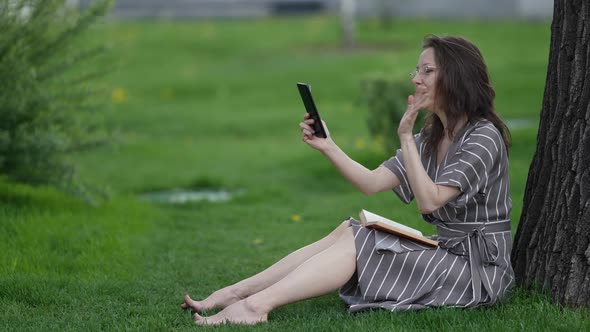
{"x": 305, "y": 92}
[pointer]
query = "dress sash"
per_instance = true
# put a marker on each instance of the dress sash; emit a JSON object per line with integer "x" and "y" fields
{"x": 469, "y": 239}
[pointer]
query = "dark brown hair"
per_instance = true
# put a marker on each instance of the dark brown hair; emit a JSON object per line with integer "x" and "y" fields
{"x": 462, "y": 88}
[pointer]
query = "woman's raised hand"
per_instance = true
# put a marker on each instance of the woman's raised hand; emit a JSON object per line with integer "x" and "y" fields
{"x": 307, "y": 134}
{"x": 406, "y": 124}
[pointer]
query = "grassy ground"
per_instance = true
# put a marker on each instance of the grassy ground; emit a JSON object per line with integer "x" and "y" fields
{"x": 214, "y": 103}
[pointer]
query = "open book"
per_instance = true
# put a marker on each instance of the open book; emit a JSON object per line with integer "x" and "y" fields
{"x": 371, "y": 220}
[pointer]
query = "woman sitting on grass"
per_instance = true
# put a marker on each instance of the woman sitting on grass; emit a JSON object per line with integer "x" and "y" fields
{"x": 456, "y": 168}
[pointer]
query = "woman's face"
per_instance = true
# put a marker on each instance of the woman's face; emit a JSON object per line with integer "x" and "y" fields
{"x": 425, "y": 77}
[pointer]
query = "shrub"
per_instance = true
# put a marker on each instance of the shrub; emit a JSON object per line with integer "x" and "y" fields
{"x": 43, "y": 89}
{"x": 387, "y": 100}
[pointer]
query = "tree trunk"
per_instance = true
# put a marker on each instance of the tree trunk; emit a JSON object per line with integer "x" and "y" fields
{"x": 347, "y": 21}
{"x": 552, "y": 244}
{"x": 385, "y": 13}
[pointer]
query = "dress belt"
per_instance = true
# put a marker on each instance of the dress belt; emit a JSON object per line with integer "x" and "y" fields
{"x": 481, "y": 251}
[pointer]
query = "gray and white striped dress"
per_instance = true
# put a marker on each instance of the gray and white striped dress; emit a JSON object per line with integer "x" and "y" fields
{"x": 471, "y": 265}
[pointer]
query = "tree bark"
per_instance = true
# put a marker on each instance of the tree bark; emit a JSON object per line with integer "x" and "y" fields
{"x": 552, "y": 244}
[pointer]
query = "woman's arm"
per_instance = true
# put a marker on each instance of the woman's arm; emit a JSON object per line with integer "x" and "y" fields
{"x": 367, "y": 181}
{"x": 429, "y": 196}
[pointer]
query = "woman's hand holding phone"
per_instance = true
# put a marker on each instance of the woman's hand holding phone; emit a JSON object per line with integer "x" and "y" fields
{"x": 307, "y": 134}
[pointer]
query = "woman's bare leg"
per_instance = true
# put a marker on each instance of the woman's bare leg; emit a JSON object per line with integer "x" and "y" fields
{"x": 238, "y": 291}
{"x": 321, "y": 274}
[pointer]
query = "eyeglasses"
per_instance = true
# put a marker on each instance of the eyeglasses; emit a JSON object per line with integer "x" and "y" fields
{"x": 423, "y": 71}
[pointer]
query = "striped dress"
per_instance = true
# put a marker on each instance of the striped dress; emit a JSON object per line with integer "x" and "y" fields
{"x": 471, "y": 265}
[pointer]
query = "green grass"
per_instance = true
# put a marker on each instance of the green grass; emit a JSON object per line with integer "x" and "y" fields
{"x": 215, "y": 103}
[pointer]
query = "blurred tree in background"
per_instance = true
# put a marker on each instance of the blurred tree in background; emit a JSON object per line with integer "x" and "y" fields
{"x": 387, "y": 100}
{"x": 348, "y": 23}
{"x": 43, "y": 89}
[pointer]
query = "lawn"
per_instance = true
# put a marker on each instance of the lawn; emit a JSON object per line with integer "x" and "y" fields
{"x": 214, "y": 103}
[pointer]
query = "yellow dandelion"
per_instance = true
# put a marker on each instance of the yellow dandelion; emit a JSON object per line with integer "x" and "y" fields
{"x": 380, "y": 140}
{"x": 14, "y": 261}
{"x": 257, "y": 241}
{"x": 119, "y": 96}
{"x": 359, "y": 143}
{"x": 189, "y": 71}
{"x": 379, "y": 143}
{"x": 207, "y": 31}
{"x": 130, "y": 137}
{"x": 316, "y": 25}
{"x": 129, "y": 35}
{"x": 167, "y": 94}
{"x": 295, "y": 218}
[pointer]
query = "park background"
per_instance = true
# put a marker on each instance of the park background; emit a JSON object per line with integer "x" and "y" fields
{"x": 211, "y": 104}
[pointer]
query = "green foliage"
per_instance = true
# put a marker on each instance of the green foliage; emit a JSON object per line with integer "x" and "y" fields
{"x": 43, "y": 89}
{"x": 386, "y": 100}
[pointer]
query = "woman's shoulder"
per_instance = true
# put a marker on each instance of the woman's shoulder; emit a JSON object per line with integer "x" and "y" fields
{"x": 482, "y": 137}
{"x": 482, "y": 130}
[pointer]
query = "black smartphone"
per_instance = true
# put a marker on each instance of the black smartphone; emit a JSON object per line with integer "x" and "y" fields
{"x": 305, "y": 92}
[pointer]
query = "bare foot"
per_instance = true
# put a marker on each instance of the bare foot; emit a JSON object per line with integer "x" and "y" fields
{"x": 218, "y": 300}
{"x": 238, "y": 313}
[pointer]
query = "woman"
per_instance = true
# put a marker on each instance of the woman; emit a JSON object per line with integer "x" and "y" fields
{"x": 457, "y": 170}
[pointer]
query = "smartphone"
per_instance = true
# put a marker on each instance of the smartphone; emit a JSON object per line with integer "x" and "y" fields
{"x": 305, "y": 92}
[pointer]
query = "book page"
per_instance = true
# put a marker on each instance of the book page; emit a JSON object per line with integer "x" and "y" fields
{"x": 374, "y": 217}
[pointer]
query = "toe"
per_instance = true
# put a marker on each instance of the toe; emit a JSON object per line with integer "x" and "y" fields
{"x": 209, "y": 321}
{"x": 188, "y": 302}
{"x": 199, "y": 320}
